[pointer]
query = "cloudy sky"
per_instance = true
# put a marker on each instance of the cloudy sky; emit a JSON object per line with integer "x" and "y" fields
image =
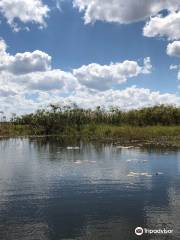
{"x": 89, "y": 52}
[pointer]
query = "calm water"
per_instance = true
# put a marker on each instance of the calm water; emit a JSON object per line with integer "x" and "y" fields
{"x": 96, "y": 192}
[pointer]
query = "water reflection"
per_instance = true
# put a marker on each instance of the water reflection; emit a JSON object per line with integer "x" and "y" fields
{"x": 49, "y": 191}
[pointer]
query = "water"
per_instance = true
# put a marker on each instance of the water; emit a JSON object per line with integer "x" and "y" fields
{"x": 96, "y": 192}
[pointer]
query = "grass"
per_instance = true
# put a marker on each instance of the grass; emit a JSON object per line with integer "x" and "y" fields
{"x": 8, "y": 129}
{"x": 99, "y": 130}
{"x": 130, "y": 132}
{"x": 159, "y": 135}
{"x": 164, "y": 136}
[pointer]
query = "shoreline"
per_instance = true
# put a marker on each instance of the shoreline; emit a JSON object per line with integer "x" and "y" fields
{"x": 136, "y": 141}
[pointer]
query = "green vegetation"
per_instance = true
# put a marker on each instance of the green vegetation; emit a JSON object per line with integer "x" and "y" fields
{"x": 57, "y": 118}
{"x": 9, "y": 129}
{"x": 146, "y": 123}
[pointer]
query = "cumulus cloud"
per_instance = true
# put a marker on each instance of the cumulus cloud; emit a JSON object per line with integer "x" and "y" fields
{"x": 121, "y": 11}
{"x": 51, "y": 80}
{"x": 176, "y": 68}
{"x": 160, "y": 26}
{"x": 27, "y": 82}
{"x": 26, "y": 11}
{"x": 6, "y": 92}
{"x": 124, "y": 12}
{"x": 128, "y": 98}
{"x": 33, "y": 71}
{"x": 102, "y": 77}
{"x": 173, "y": 49}
{"x": 179, "y": 75}
{"x": 147, "y": 68}
{"x": 27, "y": 62}
{"x": 3, "y": 47}
{"x": 23, "y": 63}
{"x": 54, "y": 80}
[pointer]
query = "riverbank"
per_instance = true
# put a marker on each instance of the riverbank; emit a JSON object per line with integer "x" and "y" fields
{"x": 126, "y": 135}
{"x": 12, "y": 130}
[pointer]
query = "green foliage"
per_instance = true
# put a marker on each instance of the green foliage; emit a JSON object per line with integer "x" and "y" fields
{"x": 56, "y": 119}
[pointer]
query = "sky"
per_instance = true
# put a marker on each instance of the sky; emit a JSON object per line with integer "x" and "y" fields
{"x": 88, "y": 52}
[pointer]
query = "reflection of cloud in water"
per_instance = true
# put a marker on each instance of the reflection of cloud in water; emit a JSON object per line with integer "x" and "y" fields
{"x": 113, "y": 229}
{"x": 73, "y": 148}
{"x": 84, "y": 161}
{"x": 27, "y": 231}
{"x": 84, "y": 193}
{"x": 167, "y": 216}
{"x": 135, "y": 174}
{"x": 178, "y": 157}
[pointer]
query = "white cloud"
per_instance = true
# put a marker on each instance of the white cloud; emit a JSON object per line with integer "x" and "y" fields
{"x": 102, "y": 77}
{"x": 27, "y": 62}
{"x": 23, "y": 63}
{"x": 121, "y": 11}
{"x": 3, "y": 47}
{"x": 24, "y": 10}
{"x": 128, "y": 98}
{"x": 176, "y": 68}
{"x": 173, "y": 49}
{"x": 32, "y": 72}
{"x": 22, "y": 93}
{"x": 124, "y": 12}
{"x": 160, "y": 26}
{"x": 92, "y": 76}
{"x": 51, "y": 80}
{"x": 48, "y": 81}
{"x": 147, "y": 68}
{"x": 6, "y": 92}
{"x": 179, "y": 75}
{"x": 26, "y": 71}
{"x": 27, "y": 82}
{"x": 173, "y": 67}
{"x": 58, "y": 4}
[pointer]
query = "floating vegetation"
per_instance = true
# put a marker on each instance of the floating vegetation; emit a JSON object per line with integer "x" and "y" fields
{"x": 135, "y": 174}
{"x": 137, "y": 161}
{"x": 78, "y": 162}
{"x": 124, "y": 147}
{"x": 84, "y": 161}
{"x": 132, "y": 160}
{"x": 143, "y": 161}
{"x": 73, "y": 148}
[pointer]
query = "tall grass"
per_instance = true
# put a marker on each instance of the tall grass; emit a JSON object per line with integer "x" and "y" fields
{"x": 114, "y": 123}
{"x": 130, "y": 132}
{"x": 57, "y": 119}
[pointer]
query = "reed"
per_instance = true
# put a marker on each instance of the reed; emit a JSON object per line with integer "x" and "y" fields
{"x": 142, "y": 123}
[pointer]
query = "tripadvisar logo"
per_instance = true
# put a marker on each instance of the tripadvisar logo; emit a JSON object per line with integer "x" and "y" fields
{"x": 139, "y": 231}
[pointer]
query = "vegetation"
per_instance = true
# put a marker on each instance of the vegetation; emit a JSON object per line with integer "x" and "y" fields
{"x": 9, "y": 129}
{"x": 57, "y": 118}
{"x": 145, "y": 123}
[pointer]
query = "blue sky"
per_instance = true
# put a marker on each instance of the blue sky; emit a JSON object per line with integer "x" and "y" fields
{"x": 81, "y": 36}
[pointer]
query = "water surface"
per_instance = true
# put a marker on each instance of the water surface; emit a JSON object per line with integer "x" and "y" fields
{"x": 97, "y": 192}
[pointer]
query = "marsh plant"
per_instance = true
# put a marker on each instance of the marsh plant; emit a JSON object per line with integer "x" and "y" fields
{"x": 58, "y": 119}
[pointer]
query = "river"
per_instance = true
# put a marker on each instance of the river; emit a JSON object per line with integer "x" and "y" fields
{"x": 50, "y": 190}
